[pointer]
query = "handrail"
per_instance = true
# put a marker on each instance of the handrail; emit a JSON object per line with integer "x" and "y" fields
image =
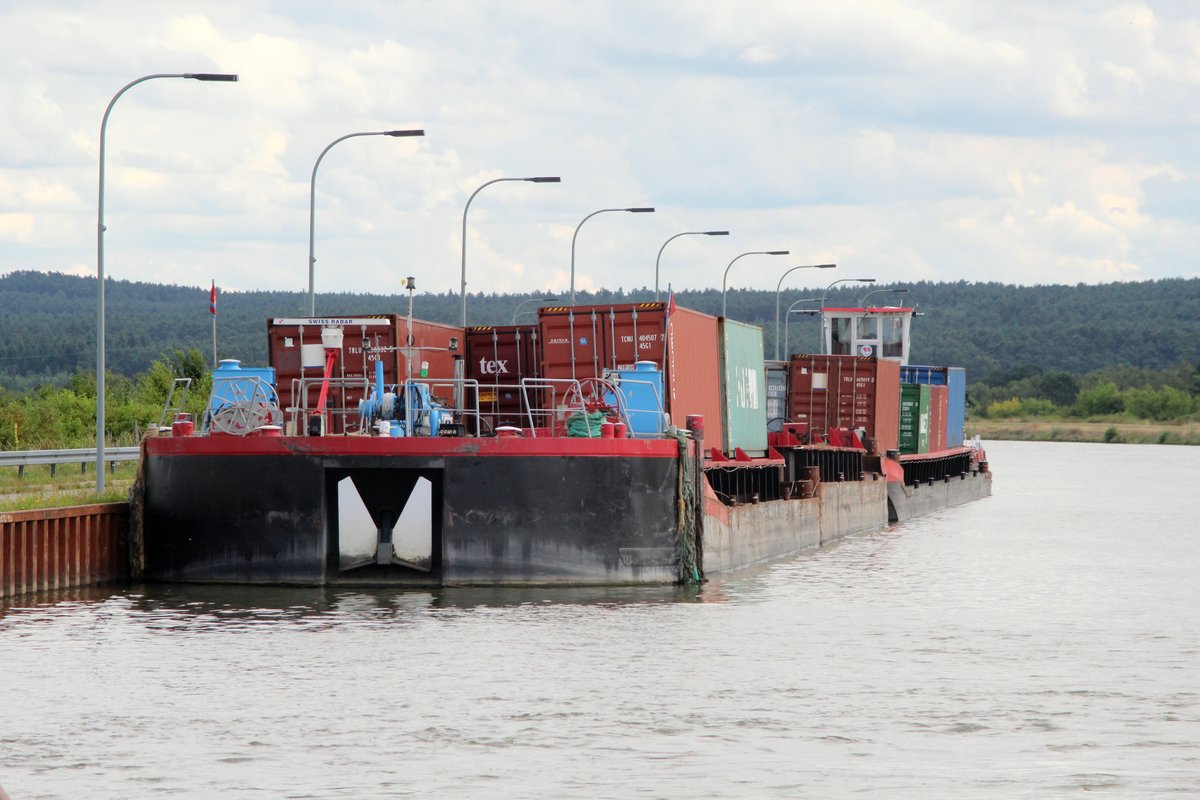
{"x": 80, "y": 455}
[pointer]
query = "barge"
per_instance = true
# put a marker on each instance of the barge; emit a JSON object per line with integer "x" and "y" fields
{"x": 603, "y": 445}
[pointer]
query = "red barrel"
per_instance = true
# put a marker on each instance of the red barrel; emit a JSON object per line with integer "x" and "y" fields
{"x": 183, "y": 425}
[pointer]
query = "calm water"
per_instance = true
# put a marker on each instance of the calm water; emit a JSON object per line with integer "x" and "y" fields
{"x": 1041, "y": 643}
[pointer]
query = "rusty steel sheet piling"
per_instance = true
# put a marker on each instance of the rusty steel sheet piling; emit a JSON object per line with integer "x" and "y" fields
{"x": 62, "y": 548}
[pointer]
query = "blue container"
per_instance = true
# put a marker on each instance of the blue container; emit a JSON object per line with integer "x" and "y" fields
{"x": 233, "y": 383}
{"x": 934, "y": 376}
{"x": 956, "y": 414}
{"x": 955, "y": 378}
{"x": 642, "y": 388}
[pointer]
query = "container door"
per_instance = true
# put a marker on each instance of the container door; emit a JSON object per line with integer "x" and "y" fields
{"x": 743, "y": 387}
{"x": 633, "y": 333}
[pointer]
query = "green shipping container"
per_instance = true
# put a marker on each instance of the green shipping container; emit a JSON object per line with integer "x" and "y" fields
{"x": 914, "y": 418}
{"x": 743, "y": 388}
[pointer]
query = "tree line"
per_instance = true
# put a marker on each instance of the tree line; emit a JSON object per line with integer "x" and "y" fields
{"x": 1128, "y": 349}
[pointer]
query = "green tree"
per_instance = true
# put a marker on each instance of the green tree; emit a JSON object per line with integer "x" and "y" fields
{"x": 1161, "y": 404}
{"x": 1059, "y": 388}
{"x": 1102, "y": 399}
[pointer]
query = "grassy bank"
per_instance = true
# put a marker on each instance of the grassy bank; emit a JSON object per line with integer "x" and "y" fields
{"x": 69, "y": 487}
{"x": 1045, "y": 430}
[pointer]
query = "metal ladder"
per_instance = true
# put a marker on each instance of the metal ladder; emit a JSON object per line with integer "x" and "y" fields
{"x": 171, "y": 407}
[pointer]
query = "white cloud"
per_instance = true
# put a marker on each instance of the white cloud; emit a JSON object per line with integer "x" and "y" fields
{"x": 941, "y": 140}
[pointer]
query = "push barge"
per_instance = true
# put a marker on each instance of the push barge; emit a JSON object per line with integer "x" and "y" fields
{"x": 607, "y": 444}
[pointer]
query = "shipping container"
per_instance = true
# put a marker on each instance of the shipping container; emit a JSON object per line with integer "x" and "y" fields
{"x": 956, "y": 379}
{"x": 914, "y": 418}
{"x": 295, "y": 351}
{"x": 743, "y": 388}
{"x": 956, "y": 414}
{"x": 498, "y": 358}
{"x": 694, "y": 372}
{"x": 581, "y": 342}
{"x": 846, "y": 392}
{"x": 938, "y": 411}
{"x": 777, "y": 394}
{"x": 915, "y": 373}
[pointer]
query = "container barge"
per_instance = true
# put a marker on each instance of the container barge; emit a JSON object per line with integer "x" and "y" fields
{"x": 603, "y": 444}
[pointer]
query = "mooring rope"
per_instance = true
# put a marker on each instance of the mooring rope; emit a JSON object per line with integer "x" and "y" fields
{"x": 685, "y": 513}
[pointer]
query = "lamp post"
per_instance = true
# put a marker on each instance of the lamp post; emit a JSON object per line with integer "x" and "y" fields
{"x": 312, "y": 202}
{"x": 778, "y": 287}
{"x": 743, "y": 255}
{"x": 826, "y": 292}
{"x": 467, "y": 207}
{"x": 863, "y": 301}
{"x": 100, "y": 388}
{"x": 531, "y": 300}
{"x": 668, "y": 241}
{"x": 580, "y": 225}
{"x": 787, "y": 315}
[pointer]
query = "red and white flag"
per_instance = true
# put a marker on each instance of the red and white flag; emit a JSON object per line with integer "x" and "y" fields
{"x": 212, "y": 298}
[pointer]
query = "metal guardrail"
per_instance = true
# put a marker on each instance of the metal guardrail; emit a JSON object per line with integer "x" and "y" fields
{"x": 82, "y": 456}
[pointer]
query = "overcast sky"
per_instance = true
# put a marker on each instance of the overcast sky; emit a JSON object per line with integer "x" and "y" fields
{"x": 1021, "y": 141}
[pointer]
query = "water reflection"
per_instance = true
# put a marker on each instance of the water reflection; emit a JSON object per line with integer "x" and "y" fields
{"x": 170, "y": 607}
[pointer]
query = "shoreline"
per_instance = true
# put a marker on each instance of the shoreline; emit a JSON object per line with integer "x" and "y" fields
{"x": 1044, "y": 430}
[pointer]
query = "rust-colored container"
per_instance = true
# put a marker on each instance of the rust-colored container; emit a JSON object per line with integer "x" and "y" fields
{"x": 694, "y": 372}
{"x": 583, "y": 341}
{"x": 939, "y": 408}
{"x": 572, "y": 342}
{"x": 295, "y": 350}
{"x": 499, "y": 357}
{"x": 846, "y": 392}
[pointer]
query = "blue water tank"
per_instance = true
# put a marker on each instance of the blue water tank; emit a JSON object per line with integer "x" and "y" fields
{"x": 233, "y": 383}
{"x": 642, "y": 388}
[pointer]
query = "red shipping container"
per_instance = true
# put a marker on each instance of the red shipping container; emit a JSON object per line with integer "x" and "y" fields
{"x": 499, "y": 357}
{"x": 294, "y": 349}
{"x": 693, "y": 376}
{"x": 939, "y": 410}
{"x": 846, "y": 392}
{"x": 584, "y": 341}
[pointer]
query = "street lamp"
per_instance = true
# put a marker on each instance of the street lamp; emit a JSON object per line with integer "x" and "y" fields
{"x": 100, "y": 389}
{"x": 580, "y": 225}
{"x": 779, "y": 285}
{"x": 826, "y": 292}
{"x": 863, "y": 301}
{"x": 668, "y": 241}
{"x": 532, "y": 300}
{"x": 788, "y": 315}
{"x": 463, "y": 287}
{"x": 743, "y": 255}
{"x": 312, "y": 202}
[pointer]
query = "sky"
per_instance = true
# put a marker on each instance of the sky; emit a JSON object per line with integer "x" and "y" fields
{"x": 1020, "y": 141}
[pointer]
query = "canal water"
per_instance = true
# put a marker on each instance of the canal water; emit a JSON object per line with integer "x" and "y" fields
{"x": 1041, "y": 643}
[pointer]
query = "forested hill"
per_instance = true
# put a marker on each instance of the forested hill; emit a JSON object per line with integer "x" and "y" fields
{"x": 48, "y": 322}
